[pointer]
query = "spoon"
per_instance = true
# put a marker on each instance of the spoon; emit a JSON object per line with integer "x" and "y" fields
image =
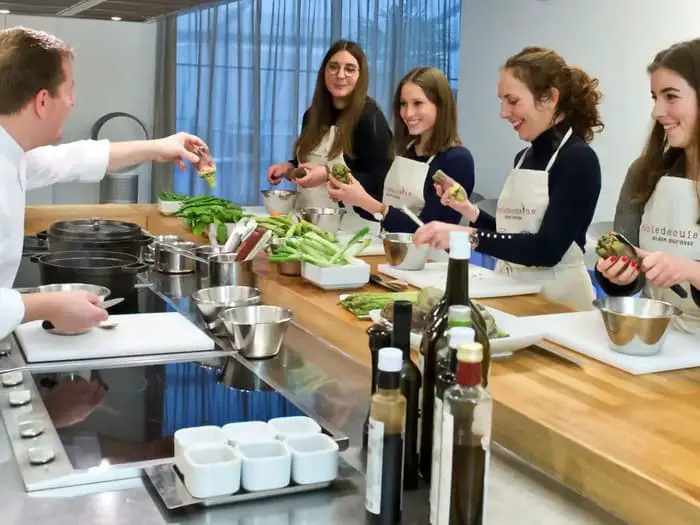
{"x": 412, "y": 216}
{"x": 677, "y": 288}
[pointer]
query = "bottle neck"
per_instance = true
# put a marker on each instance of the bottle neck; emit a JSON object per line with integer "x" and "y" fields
{"x": 469, "y": 374}
{"x": 457, "y": 284}
{"x": 388, "y": 380}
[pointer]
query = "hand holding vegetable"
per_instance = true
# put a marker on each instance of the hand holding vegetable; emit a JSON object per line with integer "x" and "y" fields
{"x": 351, "y": 193}
{"x": 453, "y": 196}
{"x": 276, "y": 172}
{"x": 315, "y": 176}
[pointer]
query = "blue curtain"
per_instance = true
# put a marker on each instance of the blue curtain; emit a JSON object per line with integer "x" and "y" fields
{"x": 246, "y": 72}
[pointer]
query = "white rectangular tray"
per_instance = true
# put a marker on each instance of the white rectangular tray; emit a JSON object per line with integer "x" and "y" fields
{"x": 584, "y": 332}
{"x": 483, "y": 283}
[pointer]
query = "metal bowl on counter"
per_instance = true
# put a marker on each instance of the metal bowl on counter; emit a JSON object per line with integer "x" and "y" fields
{"x": 176, "y": 257}
{"x": 256, "y": 331}
{"x": 291, "y": 268}
{"x": 280, "y": 201}
{"x": 402, "y": 253}
{"x": 211, "y": 302}
{"x": 100, "y": 291}
{"x": 328, "y": 219}
{"x": 636, "y": 325}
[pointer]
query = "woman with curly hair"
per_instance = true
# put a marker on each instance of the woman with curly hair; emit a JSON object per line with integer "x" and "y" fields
{"x": 550, "y": 196}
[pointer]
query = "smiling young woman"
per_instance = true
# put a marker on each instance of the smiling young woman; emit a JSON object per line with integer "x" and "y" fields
{"x": 658, "y": 208}
{"x": 343, "y": 125}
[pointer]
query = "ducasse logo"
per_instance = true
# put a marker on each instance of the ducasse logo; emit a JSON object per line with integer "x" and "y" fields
{"x": 676, "y": 236}
{"x": 517, "y": 214}
{"x": 398, "y": 192}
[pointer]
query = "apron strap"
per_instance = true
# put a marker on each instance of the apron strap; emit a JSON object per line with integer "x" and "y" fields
{"x": 408, "y": 146}
{"x": 561, "y": 144}
{"x": 522, "y": 158}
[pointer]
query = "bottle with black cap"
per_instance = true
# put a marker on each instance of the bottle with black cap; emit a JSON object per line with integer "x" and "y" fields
{"x": 410, "y": 388}
{"x": 379, "y": 337}
{"x": 385, "y": 446}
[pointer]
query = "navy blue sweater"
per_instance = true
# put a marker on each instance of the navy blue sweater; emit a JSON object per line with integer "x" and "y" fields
{"x": 457, "y": 162}
{"x": 574, "y": 188}
{"x": 371, "y": 148}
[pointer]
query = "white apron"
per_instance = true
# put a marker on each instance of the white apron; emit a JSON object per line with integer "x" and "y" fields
{"x": 669, "y": 225}
{"x": 521, "y": 208}
{"x": 318, "y": 196}
{"x": 405, "y": 183}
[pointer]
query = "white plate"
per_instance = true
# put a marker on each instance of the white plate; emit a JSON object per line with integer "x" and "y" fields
{"x": 521, "y": 333}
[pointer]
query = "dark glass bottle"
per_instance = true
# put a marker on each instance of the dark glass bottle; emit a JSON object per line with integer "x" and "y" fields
{"x": 456, "y": 293}
{"x": 410, "y": 388}
{"x": 466, "y": 443}
{"x": 385, "y": 446}
{"x": 379, "y": 337}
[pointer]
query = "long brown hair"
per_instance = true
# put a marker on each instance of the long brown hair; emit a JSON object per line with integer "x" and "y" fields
{"x": 658, "y": 158}
{"x": 542, "y": 69}
{"x": 319, "y": 119}
{"x": 437, "y": 89}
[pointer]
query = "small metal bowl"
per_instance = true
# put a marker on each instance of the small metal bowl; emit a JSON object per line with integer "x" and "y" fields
{"x": 256, "y": 331}
{"x": 402, "y": 253}
{"x": 328, "y": 219}
{"x": 636, "y": 325}
{"x": 212, "y": 301}
{"x": 280, "y": 201}
{"x": 101, "y": 291}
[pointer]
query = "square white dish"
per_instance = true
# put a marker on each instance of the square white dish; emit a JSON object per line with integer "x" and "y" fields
{"x": 211, "y": 470}
{"x": 294, "y": 426}
{"x": 265, "y": 465}
{"x": 346, "y": 277}
{"x": 314, "y": 458}
{"x": 521, "y": 332}
{"x": 195, "y": 436}
{"x": 249, "y": 432}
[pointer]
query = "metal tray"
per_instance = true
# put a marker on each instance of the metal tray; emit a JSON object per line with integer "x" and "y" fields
{"x": 168, "y": 483}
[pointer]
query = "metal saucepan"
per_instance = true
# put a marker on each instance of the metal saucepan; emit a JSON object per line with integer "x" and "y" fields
{"x": 225, "y": 271}
{"x": 97, "y": 234}
{"x": 114, "y": 270}
{"x": 176, "y": 257}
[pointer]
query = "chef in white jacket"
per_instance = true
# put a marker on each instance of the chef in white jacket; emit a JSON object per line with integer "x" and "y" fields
{"x": 36, "y": 97}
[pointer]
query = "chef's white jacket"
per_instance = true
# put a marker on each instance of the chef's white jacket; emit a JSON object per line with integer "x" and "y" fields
{"x": 83, "y": 161}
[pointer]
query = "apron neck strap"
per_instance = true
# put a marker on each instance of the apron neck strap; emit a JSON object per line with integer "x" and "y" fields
{"x": 561, "y": 144}
{"x": 411, "y": 144}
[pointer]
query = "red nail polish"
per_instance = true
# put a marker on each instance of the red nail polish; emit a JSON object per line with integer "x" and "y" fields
{"x": 613, "y": 259}
{"x": 633, "y": 264}
{"x": 624, "y": 259}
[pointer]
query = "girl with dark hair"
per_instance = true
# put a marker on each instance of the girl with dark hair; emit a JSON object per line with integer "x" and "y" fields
{"x": 343, "y": 125}
{"x": 426, "y": 140}
{"x": 550, "y": 196}
{"x": 658, "y": 208}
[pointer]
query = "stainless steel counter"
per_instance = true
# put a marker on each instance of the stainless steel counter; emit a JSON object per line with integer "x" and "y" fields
{"x": 333, "y": 388}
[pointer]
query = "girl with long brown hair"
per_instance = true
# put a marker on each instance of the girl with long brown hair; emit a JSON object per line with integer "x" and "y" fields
{"x": 658, "y": 208}
{"x": 343, "y": 125}
{"x": 549, "y": 198}
{"x": 425, "y": 124}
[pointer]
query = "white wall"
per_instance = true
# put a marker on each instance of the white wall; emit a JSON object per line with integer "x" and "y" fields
{"x": 114, "y": 70}
{"x": 613, "y": 40}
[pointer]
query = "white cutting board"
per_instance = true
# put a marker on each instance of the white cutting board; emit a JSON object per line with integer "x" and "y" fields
{"x": 483, "y": 283}
{"x": 584, "y": 332}
{"x": 136, "y": 334}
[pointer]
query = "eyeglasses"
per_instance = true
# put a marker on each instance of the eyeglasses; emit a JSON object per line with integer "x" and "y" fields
{"x": 334, "y": 69}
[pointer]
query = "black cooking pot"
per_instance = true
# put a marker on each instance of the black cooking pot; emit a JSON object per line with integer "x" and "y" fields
{"x": 96, "y": 234}
{"x": 115, "y": 270}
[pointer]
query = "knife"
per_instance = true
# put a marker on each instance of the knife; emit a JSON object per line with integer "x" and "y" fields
{"x": 48, "y": 325}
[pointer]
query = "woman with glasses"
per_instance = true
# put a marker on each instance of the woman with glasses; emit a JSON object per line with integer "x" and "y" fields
{"x": 342, "y": 126}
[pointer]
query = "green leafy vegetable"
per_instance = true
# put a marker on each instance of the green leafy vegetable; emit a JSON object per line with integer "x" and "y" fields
{"x": 199, "y": 212}
{"x": 166, "y": 195}
{"x": 313, "y": 248}
{"x": 341, "y": 173}
{"x": 361, "y": 304}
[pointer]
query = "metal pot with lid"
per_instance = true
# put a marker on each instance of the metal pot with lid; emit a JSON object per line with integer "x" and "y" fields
{"x": 97, "y": 234}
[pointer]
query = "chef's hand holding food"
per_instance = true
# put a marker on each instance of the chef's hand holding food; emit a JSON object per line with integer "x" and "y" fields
{"x": 351, "y": 193}
{"x": 457, "y": 200}
{"x": 276, "y": 172}
{"x": 316, "y": 175}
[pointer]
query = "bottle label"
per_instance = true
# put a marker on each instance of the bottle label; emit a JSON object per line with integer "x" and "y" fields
{"x": 435, "y": 466}
{"x": 445, "y": 488}
{"x": 375, "y": 454}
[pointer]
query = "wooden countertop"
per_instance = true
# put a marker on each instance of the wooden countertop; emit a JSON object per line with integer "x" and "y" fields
{"x": 630, "y": 443}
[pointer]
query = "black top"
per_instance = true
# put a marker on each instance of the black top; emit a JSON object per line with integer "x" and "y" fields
{"x": 371, "y": 149}
{"x": 574, "y": 187}
{"x": 457, "y": 162}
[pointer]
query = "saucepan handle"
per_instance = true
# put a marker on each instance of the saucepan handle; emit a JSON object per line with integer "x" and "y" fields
{"x": 136, "y": 267}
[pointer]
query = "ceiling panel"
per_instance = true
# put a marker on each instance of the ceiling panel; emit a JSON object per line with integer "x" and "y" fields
{"x": 128, "y": 10}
